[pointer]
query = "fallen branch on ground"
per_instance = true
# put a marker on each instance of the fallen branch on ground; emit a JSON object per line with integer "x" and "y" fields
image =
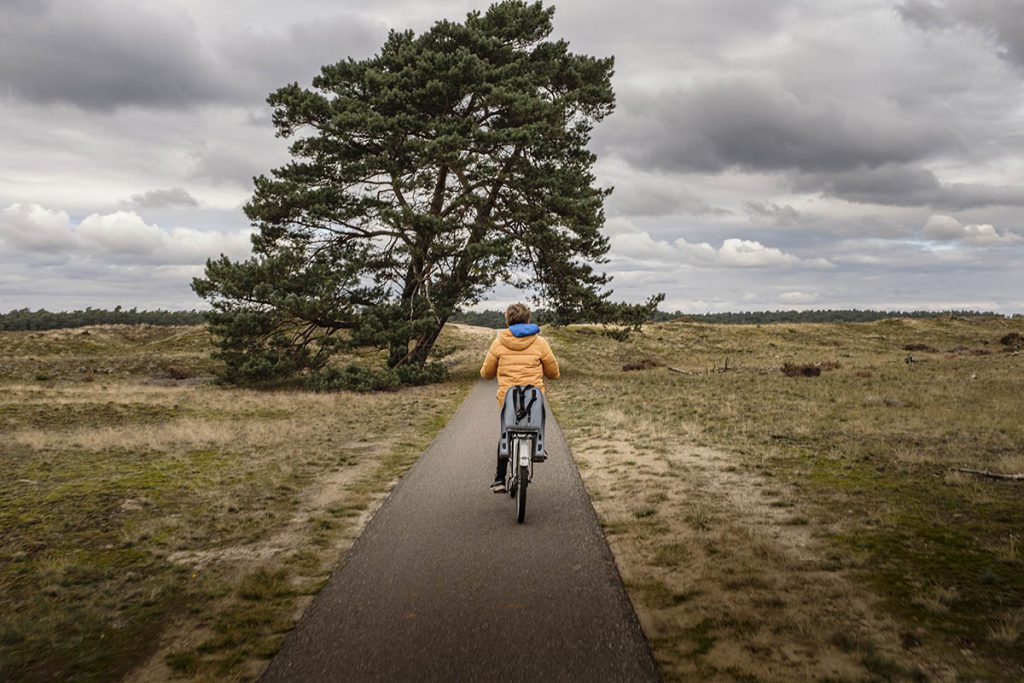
{"x": 991, "y": 475}
{"x": 715, "y": 370}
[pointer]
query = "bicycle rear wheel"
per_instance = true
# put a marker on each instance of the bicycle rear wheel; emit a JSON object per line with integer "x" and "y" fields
{"x": 510, "y": 477}
{"x": 524, "y": 478}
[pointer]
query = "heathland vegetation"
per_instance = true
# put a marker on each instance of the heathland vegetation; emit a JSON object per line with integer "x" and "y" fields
{"x": 811, "y": 524}
{"x": 154, "y": 524}
{"x": 854, "y": 518}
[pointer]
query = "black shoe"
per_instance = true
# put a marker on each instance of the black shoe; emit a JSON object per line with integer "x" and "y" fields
{"x": 498, "y": 486}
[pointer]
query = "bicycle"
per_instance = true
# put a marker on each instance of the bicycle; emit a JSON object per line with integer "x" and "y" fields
{"x": 520, "y": 469}
{"x": 522, "y": 440}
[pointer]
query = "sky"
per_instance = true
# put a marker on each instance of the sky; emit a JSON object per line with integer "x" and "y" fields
{"x": 764, "y": 154}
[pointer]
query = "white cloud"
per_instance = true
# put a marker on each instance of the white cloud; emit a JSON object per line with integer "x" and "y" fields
{"x": 798, "y": 297}
{"x": 32, "y": 228}
{"x": 122, "y": 237}
{"x": 940, "y": 228}
{"x": 122, "y": 232}
{"x": 630, "y": 242}
{"x": 751, "y": 254}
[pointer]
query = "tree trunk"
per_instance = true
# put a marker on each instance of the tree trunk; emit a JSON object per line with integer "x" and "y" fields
{"x": 424, "y": 345}
{"x": 398, "y": 354}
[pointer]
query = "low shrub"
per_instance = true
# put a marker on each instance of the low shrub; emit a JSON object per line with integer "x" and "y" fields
{"x": 800, "y": 370}
{"x": 363, "y": 379}
{"x": 1013, "y": 340}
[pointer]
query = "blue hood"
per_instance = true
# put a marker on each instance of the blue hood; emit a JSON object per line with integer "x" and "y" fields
{"x": 523, "y": 330}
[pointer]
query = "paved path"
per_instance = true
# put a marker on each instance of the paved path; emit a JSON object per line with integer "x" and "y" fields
{"x": 444, "y": 585}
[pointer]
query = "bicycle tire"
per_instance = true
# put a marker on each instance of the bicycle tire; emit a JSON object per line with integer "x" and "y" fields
{"x": 510, "y": 476}
{"x": 524, "y": 478}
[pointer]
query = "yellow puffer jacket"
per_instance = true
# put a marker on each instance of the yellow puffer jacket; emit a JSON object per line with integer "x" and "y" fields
{"x": 519, "y": 361}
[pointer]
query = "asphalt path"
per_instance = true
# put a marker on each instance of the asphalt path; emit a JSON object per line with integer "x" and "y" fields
{"x": 443, "y": 584}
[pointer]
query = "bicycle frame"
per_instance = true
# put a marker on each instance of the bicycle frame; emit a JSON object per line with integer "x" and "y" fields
{"x": 522, "y": 451}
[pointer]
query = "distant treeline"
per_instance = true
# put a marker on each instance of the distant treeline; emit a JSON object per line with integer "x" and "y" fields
{"x": 823, "y": 316}
{"x": 496, "y": 319}
{"x": 25, "y": 319}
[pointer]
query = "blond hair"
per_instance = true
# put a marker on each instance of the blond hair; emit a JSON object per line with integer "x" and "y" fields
{"x": 517, "y": 314}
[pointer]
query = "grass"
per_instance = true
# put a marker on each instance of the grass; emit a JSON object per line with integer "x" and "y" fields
{"x": 155, "y": 525}
{"x": 844, "y": 478}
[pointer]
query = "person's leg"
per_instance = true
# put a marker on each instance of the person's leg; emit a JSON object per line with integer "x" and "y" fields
{"x": 502, "y": 463}
{"x": 502, "y": 466}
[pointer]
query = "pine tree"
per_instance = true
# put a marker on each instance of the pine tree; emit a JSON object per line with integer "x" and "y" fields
{"x": 421, "y": 177}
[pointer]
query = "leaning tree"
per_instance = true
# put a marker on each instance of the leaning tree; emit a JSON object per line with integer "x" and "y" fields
{"x": 420, "y": 178}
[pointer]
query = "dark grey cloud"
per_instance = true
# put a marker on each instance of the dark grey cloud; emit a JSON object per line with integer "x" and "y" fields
{"x": 108, "y": 55}
{"x": 782, "y": 215}
{"x": 924, "y": 14}
{"x": 672, "y": 34}
{"x": 907, "y": 185}
{"x": 999, "y": 20}
{"x": 99, "y": 56}
{"x": 161, "y": 199}
{"x": 751, "y": 124}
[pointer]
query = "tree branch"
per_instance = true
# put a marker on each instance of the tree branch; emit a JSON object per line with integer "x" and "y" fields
{"x": 990, "y": 475}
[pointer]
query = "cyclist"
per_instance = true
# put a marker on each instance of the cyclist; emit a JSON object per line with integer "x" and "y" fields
{"x": 518, "y": 356}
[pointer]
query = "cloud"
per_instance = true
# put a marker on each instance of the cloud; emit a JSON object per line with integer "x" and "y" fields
{"x": 941, "y": 228}
{"x": 108, "y": 55}
{"x": 32, "y": 228}
{"x": 997, "y": 20}
{"x": 221, "y": 164}
{"x": 160, "y": 199}
{"x": 638, "y": 193}
{"x": 783, "y": 215}
{"x": 923, "y": 14}
{"x": 101, "y": 56}
{"x": 907, "y": 185}
{"x": 799, "y": 127}
{"x": 638, "y": 247}
{"x": 268, "y": 58}
{"x": 756, "y": 124}
{"x": 752, "y": 254}
{"x": 641, "y": 199}
{"x": 798, "y": 297}
{"x": 122, "y": 237}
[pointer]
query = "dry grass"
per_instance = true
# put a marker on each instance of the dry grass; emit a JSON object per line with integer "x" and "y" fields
{"x": 156, "y": 527}
{"x": 937, "y": 599}
{"x": 1008, "y": 629}
{"x": 809, "y": 527}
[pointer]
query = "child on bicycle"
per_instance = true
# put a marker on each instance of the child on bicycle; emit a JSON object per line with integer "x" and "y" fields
{"x": 518, "y": 356}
